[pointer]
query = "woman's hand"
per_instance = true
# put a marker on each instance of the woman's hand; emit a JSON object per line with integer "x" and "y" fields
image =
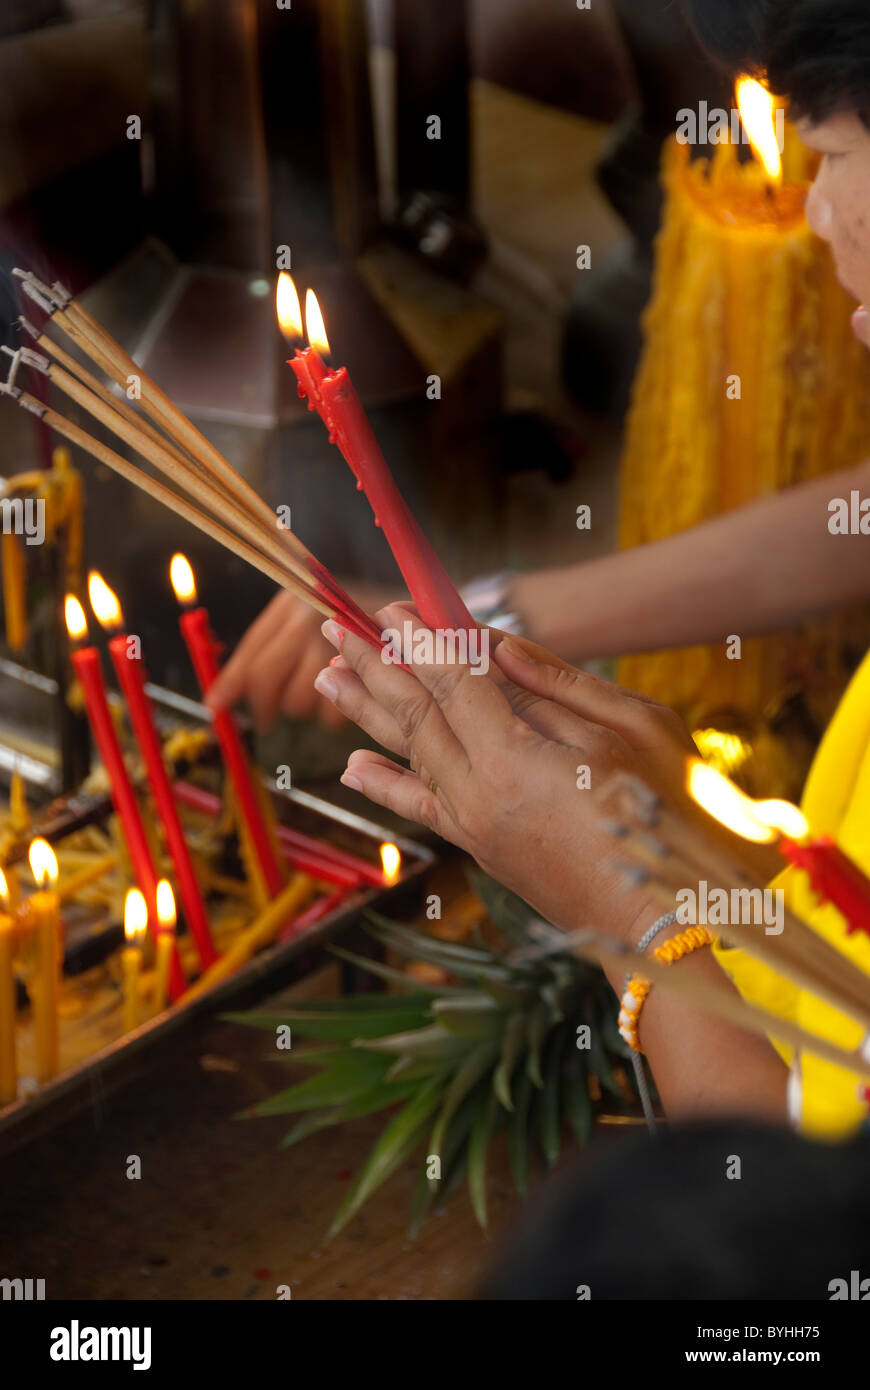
{"x": 497, "y": 764}
{"x": 274, "y": 665}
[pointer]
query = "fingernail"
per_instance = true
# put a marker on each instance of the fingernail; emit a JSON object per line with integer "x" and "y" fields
{"x": 347, "y": 779}
{"x": 332, "y": 632}
{"x": 326, "y": 685}
{"x": 338, "y": 660}
{"x": 515, "y": 648}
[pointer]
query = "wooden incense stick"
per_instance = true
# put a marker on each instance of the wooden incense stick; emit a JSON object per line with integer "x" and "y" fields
{"x": 167, "y": 498}
{"x": 722, "y": 1001}
{"x": 95, "y": 342}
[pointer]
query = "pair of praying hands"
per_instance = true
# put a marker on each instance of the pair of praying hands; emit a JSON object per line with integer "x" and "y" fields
{"x": 494, "y": 763}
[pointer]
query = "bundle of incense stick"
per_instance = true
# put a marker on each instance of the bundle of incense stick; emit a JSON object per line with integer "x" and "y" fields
{"x": 667, "y": 855}
{"x": 201, "y": 485}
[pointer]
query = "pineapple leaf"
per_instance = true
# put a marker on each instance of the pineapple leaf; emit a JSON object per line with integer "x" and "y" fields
{"x": 518, "y": 1131}
{"x": 547, "y": 1101}
{"x": 348, "y": 1077}
{"x": 537, "y": 1028}
{"x": 469, "y": 1016}
{"x": 432, "y": 1041}
{"x": 512, "y": 1041}
{"x": 576, "y": 1100}
{"x": 390, "y": 974}
{"x": 510, "y": 914}
{"x": 599, "y": 1062}
{"x": 476, "y": 1065}
{"x": 377, "y": 1098}
{"x": 395, "y": 1144}
{"x": 478, "y": 1143}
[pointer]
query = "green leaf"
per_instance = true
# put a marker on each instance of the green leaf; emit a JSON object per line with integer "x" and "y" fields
{"x": 431, "y": 1041}
{"x": 391, "y": 975}
{"x": 353, "y": 1074}
{"x": 599, "y": 1062}
{"x": 476, "y": 1065}
{"x": 348, "y": 1027}
{"x": 518, "y": 1132}
{"x": 411, "y": 942}
{"x": 453, "y": 1156}
{"x": 469, "y": 1015}
{"x": 576, "y": 1101}
{"x": 378, "y": 1098}
{"x": 547, "y": 1102}
{"x": 398, "y": 1140}
{"x": 537, "y": 1028}
{"x": 509, "y": 913}
{"x": 512, "y": 1042}
{"x": 478, "y": 1143}
{"x": 464, "y": 961}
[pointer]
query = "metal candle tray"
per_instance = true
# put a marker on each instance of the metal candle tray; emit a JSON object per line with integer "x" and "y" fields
{"x": 269, "y": 970}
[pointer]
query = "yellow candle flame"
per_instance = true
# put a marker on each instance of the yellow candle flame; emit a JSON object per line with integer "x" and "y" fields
{"x": 104, "y": 601}
{"x": 165, "y": 905}
{"x": 287, "y": 307}
{"x": 727, "y": 804}
{"x": 757, "y": 112}
{"x": 135, "y": 916}
{"x": 4, "y": 889}
{"x": 43, "y": 862}
{"x": 784, "y": 817}
{"x": 182, "y": 580}
{"x": 74, "y": 615}
{"x": 315, "y": 328}
{"x": 391, "y": 862}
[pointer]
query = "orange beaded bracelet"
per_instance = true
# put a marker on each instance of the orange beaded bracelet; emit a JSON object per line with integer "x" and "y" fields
{"x": 638, "y": 988}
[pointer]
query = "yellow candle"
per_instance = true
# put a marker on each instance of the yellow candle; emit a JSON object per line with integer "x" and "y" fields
{"x": 42, "y": 915}
{"x": 8, "y": 1069}
{"x": 751, "y": 381}
{"x": 165, "y": 943}
{"x": 261, "y": 931}
{"x": 135, "y": 926}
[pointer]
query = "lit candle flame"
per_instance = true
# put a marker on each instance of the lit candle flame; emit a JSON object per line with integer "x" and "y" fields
{"x": 135, "y": 916}
{"x": 391, "y": 862}
{"x": 287, "y": 307}
{"x": 182, "y": 580}
{"x": 74, "y": 616}
{"x": 43, "y": 863}
{"x": 315, "y": 328}
{"x": 757, "y": 107}
{"x": 4, "y": 889}
{"x": 165, "y": 905}
{"x": 727, "y": 804}
{"x": 104, "y": 601}
{"x": 784, "y": 817}
{"x": 759, "y": 821}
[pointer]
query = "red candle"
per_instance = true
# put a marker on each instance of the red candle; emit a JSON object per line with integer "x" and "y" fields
{"x": 312, "y": 915}
{"x": 203, "y": 649}
{"x": 86, "y": 663}
{"x": 132, "y": 678}
{"x": 315, "y": 857}
{"x": 834, "y": 877}
{"x": 332, "y": 394}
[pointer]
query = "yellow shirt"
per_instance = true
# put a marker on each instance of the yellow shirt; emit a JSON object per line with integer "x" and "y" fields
{"x": 836, "y": 802}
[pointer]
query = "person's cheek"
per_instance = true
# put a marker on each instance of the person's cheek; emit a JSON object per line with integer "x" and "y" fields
{"x": 820, "y": 210}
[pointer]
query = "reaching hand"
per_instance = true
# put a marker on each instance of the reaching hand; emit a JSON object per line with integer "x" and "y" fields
{"x": 274, "y": 665}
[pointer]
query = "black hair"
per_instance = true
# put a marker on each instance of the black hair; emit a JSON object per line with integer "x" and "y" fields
{"x": 718, "y": 1211}
{"x": 814, "y": 52}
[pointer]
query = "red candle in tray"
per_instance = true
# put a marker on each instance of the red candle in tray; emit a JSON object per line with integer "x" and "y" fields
{"x": 88, "y": 668}
{"x": 332, "y": 395}
{"x": 204, "y": 648}
{"x": 127, "y": 659}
